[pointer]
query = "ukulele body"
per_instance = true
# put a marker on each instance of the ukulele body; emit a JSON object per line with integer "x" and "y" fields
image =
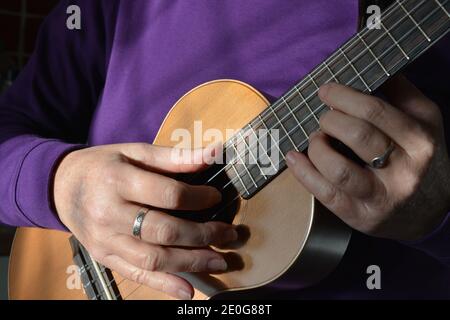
{"x": 290, "y": 235}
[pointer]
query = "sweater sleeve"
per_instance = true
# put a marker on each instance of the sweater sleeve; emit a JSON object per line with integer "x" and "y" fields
{"x": 47, "y": 111}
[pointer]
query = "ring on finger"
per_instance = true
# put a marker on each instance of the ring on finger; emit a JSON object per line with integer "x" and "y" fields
{"x": 138, "y": 221}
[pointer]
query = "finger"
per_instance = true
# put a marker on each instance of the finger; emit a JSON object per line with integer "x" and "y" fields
{"x": 340, "y": 171}
{"x": 163, "y": 229}
{"x": 156, "y": 258}
{"x": 166, "y": 159}
{"x": 170, "y": 284}
{"x": 394, "y": 123}
{"x": 362, "y": 137}
{"x": 331, "y": 197}
{"x": 153, "y": 189}
{"x": 407, "y": 97}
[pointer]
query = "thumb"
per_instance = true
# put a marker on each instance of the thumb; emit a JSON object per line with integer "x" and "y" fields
{"x": 170, "y": 160}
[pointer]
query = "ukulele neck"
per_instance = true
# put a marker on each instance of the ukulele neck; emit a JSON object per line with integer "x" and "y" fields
{"x": 98, "y": 282}
{"x": 405, "y": 31}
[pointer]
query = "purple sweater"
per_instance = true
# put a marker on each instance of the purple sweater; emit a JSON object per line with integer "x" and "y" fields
{"x": 115, "y": 80}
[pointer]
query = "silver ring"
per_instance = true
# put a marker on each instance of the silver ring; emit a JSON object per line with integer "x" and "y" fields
{"x": 380, "y": 162}
{"x": 137, "y": 226}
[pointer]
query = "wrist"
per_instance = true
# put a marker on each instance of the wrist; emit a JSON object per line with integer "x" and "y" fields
{"x": 63, "y": 178}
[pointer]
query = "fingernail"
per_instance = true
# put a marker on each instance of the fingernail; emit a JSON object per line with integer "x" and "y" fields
{"x": 290, "y": 157}
{"x": 323, "y": 90}
{"x": 231, "y": 235}
{"x": 217, "y": 265}
{"x": 184, "y": 295}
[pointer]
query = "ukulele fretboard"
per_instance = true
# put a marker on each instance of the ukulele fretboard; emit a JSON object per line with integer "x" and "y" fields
{"x": 406, "y": 30}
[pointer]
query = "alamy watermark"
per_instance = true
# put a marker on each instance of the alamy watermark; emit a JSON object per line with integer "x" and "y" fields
{"x": 73, "y": 21}
{"x": 374, "y": 20}
{"x": 259, "y": 147}
{"x": 373, "y": 282}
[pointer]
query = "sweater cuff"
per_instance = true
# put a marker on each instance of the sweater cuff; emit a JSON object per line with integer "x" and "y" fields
{"x": 437, "y": 243}
{"x": 34, "y": 184}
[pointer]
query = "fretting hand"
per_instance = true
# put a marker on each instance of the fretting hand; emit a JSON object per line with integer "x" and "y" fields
{"x": 406, "y": 199}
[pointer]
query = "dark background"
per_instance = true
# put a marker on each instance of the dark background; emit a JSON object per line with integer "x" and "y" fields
{"x": 19, "y": 25}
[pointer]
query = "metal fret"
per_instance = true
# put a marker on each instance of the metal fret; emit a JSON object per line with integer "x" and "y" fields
{"x": 373, "y": 54}
{"x": 97, "y": 283}
{"x": 252, "y": 154}
{"x": 317, "y": 88}
{"x": 414, "y": 21}
{"x": 282, "y": 126}
{"x": 307, "y": 105}
{"x": 84, "y": 269}
{"x": 354, "y": 69}
{"x": 257, "y": 139}
{"x": 271, "y": 138}
{"x": 442, "y": 7}
{"x": 395, "y": 41}
{"x": 88, "y": 284}
{"x": 296, "y": 119}
{"x": 245, "y": 167}
{"x": 102, "y": 280}
{"x": 330, "y": 71}
{"x": 384, "y": 58}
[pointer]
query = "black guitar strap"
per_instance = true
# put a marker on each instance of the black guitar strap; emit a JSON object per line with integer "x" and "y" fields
{"x": 364, "y": 4}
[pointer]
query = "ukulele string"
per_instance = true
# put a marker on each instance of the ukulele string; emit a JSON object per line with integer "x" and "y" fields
{"x": 227, "y": 168}
{"x": 290, "y": 94}
{"x": 302, "y": 85}
{"x": 320, "y": 107}
{"x": 259, "y": 179}
{"x": 299, "y": 106}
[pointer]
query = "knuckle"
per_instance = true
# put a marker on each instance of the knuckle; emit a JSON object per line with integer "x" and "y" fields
{"x": 109, "y": 174}
{"x": 429, "y": 146}
{"x": 139, "y": 276}
{"x": 195, "y": 264}
{"x": 329, "y": 195}
{"x": 412, "y": 184}
{"x": 153, "y": 261}
{"x": 100, "y": 217}
{"x": 174, "y": 195}
{"x": 206, "y": 234}
{"x": 362, "y": 134}
{"x": 426, "y": 145}
{"x": 148, "y": 154}
{"x": 342, "y": 175}
{"x": 142, "y": 152}
{"x": 167, "y": 234}
{"x": 374, "y": 109}
{"x": 132, "y": 183}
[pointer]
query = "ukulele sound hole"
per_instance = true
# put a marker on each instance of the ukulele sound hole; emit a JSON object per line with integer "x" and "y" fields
{"x": 226, "y": 210}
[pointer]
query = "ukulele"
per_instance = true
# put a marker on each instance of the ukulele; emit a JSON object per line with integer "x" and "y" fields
{"x": 285, "y": 234}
